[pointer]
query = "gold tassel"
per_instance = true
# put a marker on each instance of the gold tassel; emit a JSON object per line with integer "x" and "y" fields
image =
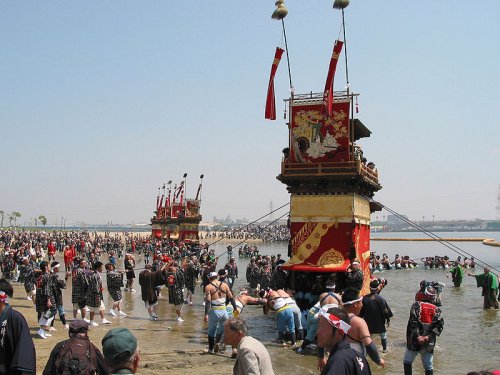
{"x": 280, "y": 12}
{"x": 340, "y": 4}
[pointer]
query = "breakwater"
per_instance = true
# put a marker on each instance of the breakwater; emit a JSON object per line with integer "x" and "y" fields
{"x": 484, "y": 241}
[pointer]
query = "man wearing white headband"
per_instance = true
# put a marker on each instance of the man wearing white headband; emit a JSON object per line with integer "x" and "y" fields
{"x": 354, "y": 275}
{"x": 326, "y": 301}
{"x": 17, "y": 351}
{"x": 376, "y": 312}
{"x": 332, "y": 336}
{"x": 359, "y": 334}
{"x": 216, "y": 294}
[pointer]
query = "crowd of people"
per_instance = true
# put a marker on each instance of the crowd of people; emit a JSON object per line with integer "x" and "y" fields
{"x": 267, "y": 233}
{"x": 381, "y": 263}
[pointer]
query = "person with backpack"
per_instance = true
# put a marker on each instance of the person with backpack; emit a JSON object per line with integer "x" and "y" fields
{"x": 77, "y": 355}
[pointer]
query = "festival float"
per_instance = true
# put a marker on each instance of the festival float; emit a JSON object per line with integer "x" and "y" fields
{"x": 177, "y": 218}
{"x": 330, "y": 184}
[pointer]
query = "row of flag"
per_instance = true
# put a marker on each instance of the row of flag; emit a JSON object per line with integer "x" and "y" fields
{"x": 178, "y": 191}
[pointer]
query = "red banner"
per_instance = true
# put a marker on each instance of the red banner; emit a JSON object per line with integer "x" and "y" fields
{"x": 270, "y": 101}
{"x": 328, "y": 93}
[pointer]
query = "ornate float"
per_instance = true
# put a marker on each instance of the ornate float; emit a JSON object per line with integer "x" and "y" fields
{"x": 328, "y": 178}
{"x": 177, "y": 218}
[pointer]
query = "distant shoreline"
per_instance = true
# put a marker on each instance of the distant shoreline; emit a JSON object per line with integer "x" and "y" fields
{"x": 144, "y": 233}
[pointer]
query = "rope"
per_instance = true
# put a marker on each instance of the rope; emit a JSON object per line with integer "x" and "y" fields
{"x": 260, "y": 218}
{"x": 434, "y": 236}
{"x": 345, "y": 53}
{"x": 287, "y": 57}
{"x": 272, "y": 222}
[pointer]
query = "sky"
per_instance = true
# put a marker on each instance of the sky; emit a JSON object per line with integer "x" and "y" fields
{"x": 101, "y": 102}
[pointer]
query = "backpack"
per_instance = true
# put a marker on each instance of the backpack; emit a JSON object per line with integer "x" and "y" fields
{"x": 76, "y": 356}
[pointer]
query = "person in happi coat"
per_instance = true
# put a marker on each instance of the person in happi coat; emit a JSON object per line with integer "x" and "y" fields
{"x": 17, "y": 350}
{"x": 191, "y": 273}
{"x": 95, "y": 300}
{"x": 114, "y": 282}
{"x": 45, "y": 302}
{"x": 489, "y": 284}
{"x": 457, "y": 274}
{"x": 149, "y": 280}
{"x": 175, "y": 282}
{"x": 376, "y": 312}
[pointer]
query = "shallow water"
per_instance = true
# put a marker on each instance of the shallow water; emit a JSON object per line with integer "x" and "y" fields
{"x": 471, "y": 336}
{"x": 470, "y": 339}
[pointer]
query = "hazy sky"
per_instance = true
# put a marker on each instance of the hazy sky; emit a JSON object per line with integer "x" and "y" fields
{"x": 103, "y": 101}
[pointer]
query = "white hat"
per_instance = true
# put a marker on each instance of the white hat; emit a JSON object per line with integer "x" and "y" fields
{"x": 212, "y": 274}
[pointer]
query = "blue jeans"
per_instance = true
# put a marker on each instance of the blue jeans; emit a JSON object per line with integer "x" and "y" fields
{"x": 296, "y": 317}
{"x": 60, "y": 310}
{"x": 312, "y": 324}
{"x": 216, "y": 319}
{"x": 285, "y": 320}
{"x": 424, "y": 355}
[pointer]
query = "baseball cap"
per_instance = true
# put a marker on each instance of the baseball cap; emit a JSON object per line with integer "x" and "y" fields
{"x": 78, "y": 326}
{"x": 212, "y": 274}
{"x": 118, "y": 345}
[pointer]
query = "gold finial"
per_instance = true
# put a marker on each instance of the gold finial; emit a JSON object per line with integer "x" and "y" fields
{"x": 340, "y": 4}
{"x": 281, "y": 11}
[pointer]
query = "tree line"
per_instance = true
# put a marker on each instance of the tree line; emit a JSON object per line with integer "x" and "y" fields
{"x": 14, "y": 215}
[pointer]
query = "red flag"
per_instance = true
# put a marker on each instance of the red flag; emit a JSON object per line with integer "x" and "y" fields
{"x": 167, "y": 204}
{"x": 328, "y": 93}
{"x": 174, "y": 194}
{"x": 179, "y": 189}
{"x": 270, "y": 102}
{"x": 198, "y": 192}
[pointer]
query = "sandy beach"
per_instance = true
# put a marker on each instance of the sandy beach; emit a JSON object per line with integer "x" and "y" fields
{"x": 166, "y": 347}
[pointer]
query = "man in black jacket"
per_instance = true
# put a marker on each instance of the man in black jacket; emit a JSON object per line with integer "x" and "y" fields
{"x": 376, "y": 312}
{"x": 66, "y": 353}
{"x": 17, "y": 351}
{"x": 424, "y": 325}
